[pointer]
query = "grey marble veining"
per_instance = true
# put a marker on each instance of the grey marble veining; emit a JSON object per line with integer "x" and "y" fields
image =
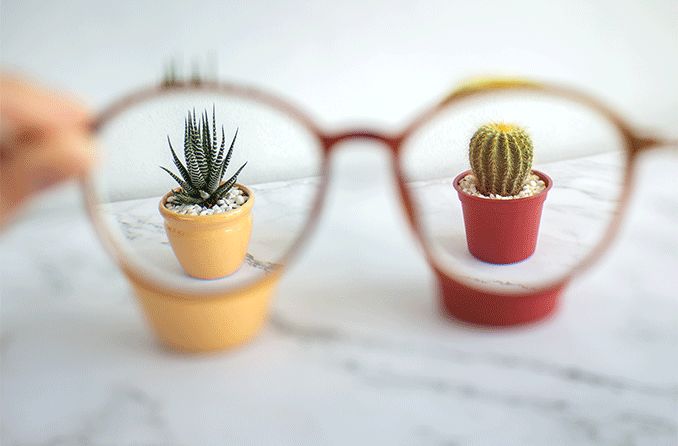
{"x": 355, "y": 352}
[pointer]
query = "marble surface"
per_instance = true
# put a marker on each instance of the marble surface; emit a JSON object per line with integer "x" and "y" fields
{"x": 356, "y": 351}
{"x": 577, "y": 212}
{"x": 280, "y": 213}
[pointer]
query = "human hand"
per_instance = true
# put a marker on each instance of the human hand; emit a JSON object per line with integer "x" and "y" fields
{"x": 44, "y": 140}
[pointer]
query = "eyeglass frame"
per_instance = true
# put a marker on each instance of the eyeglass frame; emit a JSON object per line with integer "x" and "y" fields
{"x": 634, "y": 144}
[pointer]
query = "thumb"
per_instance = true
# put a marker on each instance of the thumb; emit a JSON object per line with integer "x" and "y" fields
{"x": 27, "y": 170}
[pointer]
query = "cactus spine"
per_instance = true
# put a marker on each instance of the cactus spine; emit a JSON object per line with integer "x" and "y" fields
{"x": 501, "y": 158}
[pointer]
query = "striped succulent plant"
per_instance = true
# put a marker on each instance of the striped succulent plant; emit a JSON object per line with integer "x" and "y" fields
{"x": 201, "y": 177}
{"x": 501, "y": 158}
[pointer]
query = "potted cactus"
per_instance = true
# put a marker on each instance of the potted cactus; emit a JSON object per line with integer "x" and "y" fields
{"x": 501, "y": 196}
{"x": 208, "y": 221}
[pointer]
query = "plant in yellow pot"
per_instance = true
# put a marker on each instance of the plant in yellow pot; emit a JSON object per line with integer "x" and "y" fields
{"x": 208, "y": 221}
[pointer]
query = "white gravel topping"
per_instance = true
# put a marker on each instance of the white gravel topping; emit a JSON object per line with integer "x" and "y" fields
{"x": 533, "y": 186}
{"x": 234, "y": 199}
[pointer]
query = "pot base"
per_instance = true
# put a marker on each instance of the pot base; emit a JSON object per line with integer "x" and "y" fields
{"x": 487, "y": 308}
{"x": 206, "y": 323}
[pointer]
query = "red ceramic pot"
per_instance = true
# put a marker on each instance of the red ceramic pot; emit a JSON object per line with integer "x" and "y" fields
{"x": 502, "y": 231}
{"x": 484, "y": 307}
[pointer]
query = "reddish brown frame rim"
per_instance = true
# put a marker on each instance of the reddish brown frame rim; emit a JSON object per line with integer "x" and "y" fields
{"x": 633, "y": 143}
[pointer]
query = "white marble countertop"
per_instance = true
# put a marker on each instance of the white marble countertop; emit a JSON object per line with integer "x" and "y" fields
{"x": 356, "y": 351}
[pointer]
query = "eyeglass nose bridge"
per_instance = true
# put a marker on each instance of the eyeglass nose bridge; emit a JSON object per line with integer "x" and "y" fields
{"x": 331, "y": 141}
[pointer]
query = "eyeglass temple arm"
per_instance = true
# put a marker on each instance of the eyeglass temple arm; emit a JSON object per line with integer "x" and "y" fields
{"x": 479, "y": 83}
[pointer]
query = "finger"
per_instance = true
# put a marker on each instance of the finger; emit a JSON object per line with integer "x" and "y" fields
{"x": 26, "y": 105}
{"x": 59, "y": 156}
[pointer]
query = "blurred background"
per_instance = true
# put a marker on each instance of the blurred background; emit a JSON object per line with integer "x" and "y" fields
{"x": 373, "y": 62}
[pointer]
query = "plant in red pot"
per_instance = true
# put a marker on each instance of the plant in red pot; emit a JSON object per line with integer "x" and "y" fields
{"x": 501, "y": 196}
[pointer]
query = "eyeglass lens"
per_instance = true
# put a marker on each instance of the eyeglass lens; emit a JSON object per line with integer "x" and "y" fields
{"x": 521, "y": 234}
{"x": 197, "y": 230}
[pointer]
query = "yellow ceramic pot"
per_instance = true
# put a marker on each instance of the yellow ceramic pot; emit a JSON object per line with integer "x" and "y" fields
{"x": 205, "y": 323}
{"x": 210, "y": 246}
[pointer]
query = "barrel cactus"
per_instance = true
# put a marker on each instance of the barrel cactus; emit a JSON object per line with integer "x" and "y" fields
{"x": 501, "y": 158}
{"x": 201, "y": 177}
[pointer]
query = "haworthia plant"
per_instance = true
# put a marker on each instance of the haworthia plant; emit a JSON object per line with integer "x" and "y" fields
{"x": 501, "y": 158}
{"x": 201, "y": 177}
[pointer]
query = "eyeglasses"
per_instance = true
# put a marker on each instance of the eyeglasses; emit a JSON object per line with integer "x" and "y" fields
{"x": 204, "y": 281}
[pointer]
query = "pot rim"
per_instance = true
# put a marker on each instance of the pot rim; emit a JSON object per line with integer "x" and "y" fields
{"x": 214, "y": 218}
{"x": 547, "y": 179}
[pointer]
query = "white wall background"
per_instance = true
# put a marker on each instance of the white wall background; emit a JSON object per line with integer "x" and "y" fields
{"x": 375, "y": 62}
